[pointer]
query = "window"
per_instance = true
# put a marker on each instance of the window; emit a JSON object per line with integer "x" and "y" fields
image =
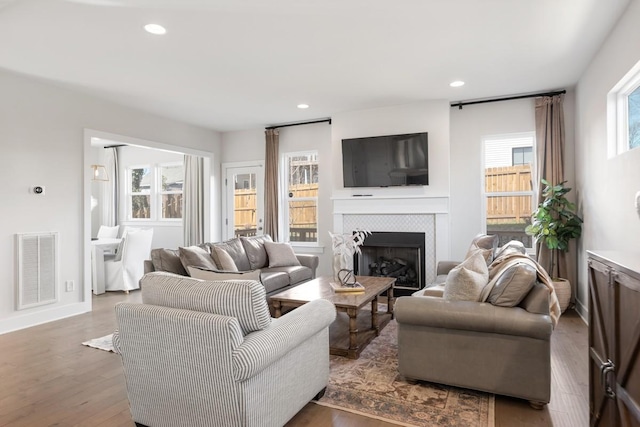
{"x": 508, "y": 189}
{"x": 155, "y": 192}
{"x": 623, "y": 114}
{"x": 301, "y": 171}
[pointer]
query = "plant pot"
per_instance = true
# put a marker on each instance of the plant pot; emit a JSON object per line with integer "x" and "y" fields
{"x": 563, "y": 292}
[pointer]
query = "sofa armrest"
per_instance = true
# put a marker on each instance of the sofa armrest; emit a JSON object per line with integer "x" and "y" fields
{"x": 262, "y": 348}
{"x": 310, "y": 261}
{"x": 148, "y": 266}
{"x": 473, "y": 316}
{"x": 444, "y": 267}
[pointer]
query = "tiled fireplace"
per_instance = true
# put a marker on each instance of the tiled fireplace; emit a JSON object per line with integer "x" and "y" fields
{"x": 425, "y": 220}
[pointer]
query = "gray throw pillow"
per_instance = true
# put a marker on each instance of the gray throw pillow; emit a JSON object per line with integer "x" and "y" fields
{"x": 196, "y": 256}
{"x": 280, "y": 254}
{"x": 167, "y": 260}
{"x": 466, "y": 281}
{"x": 225, "y": 262}
{"x": 235, "y": 249}
{"x": 485, "y": 243}
{"x": 513, "y": 285}
{"x": 256, "y": 253}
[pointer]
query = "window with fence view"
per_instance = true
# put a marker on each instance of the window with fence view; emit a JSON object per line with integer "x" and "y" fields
{"x": 302, "y": 196}
{"x": 508, "y": 187}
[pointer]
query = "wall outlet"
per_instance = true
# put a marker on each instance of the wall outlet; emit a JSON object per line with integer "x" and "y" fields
{"x": 70, "y": 286}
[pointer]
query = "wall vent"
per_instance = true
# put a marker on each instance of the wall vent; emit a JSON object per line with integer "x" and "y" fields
{"x": 37, "y": 269}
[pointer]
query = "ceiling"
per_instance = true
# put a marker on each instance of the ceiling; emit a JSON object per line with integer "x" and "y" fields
{"x": 244, "y": 64}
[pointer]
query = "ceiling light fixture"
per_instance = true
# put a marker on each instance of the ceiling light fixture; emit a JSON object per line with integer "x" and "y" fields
{"x": 303, "y": 106}
{"x": 155, "y": 29}
{"x": 456, "y": 83}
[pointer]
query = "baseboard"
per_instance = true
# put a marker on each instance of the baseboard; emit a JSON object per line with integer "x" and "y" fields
{"x": 27, "y": 320}
{"x": 582, "y": 311}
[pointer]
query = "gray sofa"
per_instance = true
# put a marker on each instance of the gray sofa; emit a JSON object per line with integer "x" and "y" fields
{"x": 250, "y": 261}
{"x": 207, "y": 353}
{"x": 477, "y": 345}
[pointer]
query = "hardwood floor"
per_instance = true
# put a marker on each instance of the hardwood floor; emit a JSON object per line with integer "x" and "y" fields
{"x": 47, "y": 378}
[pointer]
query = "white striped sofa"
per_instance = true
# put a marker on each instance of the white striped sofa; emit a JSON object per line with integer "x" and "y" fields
{"x": 207, "y": 353}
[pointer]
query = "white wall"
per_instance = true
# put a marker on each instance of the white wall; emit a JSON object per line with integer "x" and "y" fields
{"x": 606, "y": 186}
{"x": 42, "y": 140}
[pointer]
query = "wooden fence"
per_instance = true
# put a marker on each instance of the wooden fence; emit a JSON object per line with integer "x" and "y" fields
{"x": 508, "y": 209}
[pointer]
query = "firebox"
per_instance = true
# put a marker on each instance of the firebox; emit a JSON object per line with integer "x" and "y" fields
{"x": 394, "y": 254}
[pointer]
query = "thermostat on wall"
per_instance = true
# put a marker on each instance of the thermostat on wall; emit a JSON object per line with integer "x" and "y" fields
{"x": 38, "y": 189}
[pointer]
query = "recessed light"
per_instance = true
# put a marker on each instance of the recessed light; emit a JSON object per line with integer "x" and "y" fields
{"x": 155, "y": 29}
{"x": 303, "y": 106}
{"x": 457, "y": 83}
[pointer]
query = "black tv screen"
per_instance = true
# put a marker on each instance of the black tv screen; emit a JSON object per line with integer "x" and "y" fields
{"x": 384, "y": 161}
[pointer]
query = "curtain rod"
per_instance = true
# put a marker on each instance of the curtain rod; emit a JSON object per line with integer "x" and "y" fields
{"x": 327, "y": 120}
{"x": 460, "y": 104}
{"x": 115, "y": 146}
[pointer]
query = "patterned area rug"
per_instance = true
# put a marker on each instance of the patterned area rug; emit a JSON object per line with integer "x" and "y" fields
{"x": 103, "y": 343}
{"x": 372, "y": 386}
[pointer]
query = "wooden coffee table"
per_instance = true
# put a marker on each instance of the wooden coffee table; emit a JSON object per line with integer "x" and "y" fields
{"x": 348, "y": 335}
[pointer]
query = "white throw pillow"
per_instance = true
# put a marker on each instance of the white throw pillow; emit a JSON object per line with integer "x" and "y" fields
{"x": 225, "y": 262}
{"x": 203, "y": 274}
{"x": 280, "y": 254}
{"x": 466, "y": 281}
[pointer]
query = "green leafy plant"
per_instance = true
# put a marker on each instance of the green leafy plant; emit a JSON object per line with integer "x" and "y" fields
{"x": 555, "y": 222}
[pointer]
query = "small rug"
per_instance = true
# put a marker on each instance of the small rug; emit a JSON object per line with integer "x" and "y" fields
{"x": 371, "y": 386}
{"x": 103, "y": 343}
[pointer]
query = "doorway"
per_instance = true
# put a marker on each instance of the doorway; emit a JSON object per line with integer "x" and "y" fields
{"x": 244, "y": 197}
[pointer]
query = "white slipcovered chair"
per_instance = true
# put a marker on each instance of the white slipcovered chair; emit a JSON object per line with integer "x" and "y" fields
{"x": 124, "y": 270}
{"x": 106, "y": 232}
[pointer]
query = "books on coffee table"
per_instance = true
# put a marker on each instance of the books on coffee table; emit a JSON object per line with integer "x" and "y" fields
{"x": 355, "y": 288}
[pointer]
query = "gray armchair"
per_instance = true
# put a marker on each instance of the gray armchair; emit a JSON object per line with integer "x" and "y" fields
{"x": 205, "y": 353}
{"x": 476, "y": 345}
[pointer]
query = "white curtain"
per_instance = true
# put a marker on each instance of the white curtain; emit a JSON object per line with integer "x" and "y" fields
{"x": 193, "y": 195}
{"x": 111, "y": 188}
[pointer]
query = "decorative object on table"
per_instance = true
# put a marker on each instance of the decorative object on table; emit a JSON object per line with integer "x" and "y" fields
{"x": 344, "y": 247}
{"x": 347, "y": 282}
{"x": 554, "y": 224}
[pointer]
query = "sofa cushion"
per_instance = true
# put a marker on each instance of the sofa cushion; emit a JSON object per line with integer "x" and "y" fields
{"x": 296, "y": 273}
{"x": 273, "y": 280}
{"x": 204, "y": 274}
{"x": 466, "y": 281}
{"x": 243, "y": 299}
{"x": 513, "y": 285}
{"x": 256, "y": 253}
{"x": 280, "y": 254}
{"x": 235, "y": 249}
{"x": 487, "y": 244}
{"x": 196, "y": 256}
{"x": 223, "y": 259}
{"x": 167, "y": 260}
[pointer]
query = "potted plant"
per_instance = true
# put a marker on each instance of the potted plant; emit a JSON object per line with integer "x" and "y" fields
{"x": 554, "y": 223}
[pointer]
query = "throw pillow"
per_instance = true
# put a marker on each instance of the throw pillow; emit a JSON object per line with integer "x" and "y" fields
{"x": 167, "y": 260}
{"x": 487, "y": 244}
{"x": 235, "y": 249}
{"x": 224, "y": 260}
{"x": 513, "y": 285}
{"x": 280, "y": 254}
{"x": 511, "y": 247}
{"x": 256, "y": 253}
{"x": 196, "y": 256}
{"x": 466, "y": 281}
{"x": 204, "y": 274}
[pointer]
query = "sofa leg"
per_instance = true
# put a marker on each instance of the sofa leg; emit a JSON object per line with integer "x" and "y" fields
{"x": 320, "y": 394}
{"x": 140, "y": 425}
{"x": 536, "y": 405}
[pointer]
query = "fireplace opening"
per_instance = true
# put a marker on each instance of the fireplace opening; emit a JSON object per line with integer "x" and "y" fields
{"x": 394, "y": 254}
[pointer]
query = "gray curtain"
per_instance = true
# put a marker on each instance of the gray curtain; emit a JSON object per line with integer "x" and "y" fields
{"x": 193, "y": 199}
{"x": 550, "y": 154}
{"x": 111, "y": 188}
{"x": 271, "y": 184}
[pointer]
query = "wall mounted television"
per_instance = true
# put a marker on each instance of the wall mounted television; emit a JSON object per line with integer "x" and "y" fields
{"x": 385, "y": 161}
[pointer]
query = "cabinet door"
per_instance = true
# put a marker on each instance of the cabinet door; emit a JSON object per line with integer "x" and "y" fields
{"x": 627, "y": 352}
{"x": 602, "y": 407}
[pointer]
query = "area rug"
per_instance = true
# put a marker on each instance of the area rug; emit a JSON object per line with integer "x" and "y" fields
{"x": 103, "y": 343}
{"x": 371, "y": 386}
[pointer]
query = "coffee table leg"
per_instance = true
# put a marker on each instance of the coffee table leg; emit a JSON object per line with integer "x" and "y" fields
{"x": 278, "y": 308}
{"x": 353, "y": 330}
{"x": 374, "y": 315}
{"x": 390, "y": 301}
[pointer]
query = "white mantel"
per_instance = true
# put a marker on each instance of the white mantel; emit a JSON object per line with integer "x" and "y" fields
{"x": 429, "y": 215}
